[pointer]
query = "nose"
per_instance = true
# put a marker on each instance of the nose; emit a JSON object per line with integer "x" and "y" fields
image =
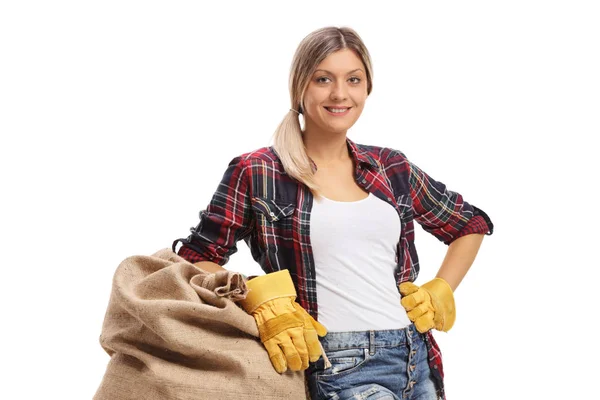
{"x": 339, "y": 91}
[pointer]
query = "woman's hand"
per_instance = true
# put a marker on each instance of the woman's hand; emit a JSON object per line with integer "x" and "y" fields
{"x": 429, "y": 306}
{"x": 288, "y": 332}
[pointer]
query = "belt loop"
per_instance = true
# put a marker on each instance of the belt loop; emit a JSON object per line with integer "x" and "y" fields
{"x": 371, "y": 342}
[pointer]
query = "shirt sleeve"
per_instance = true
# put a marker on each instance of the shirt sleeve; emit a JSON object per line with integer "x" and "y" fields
{"x": 442, "y": 212}
{"x": 226, "y": 220}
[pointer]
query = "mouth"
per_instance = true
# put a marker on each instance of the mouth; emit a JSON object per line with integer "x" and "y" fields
{"x": 338, "y": 111}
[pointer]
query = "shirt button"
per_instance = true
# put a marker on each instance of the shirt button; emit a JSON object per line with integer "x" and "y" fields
{"x": 272, "y": 214}
{"x": 389, "y": 199}
{"x": 364, "y": 181}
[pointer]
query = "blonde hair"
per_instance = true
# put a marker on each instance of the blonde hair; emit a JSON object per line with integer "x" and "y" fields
{"x": 314, "y": 48}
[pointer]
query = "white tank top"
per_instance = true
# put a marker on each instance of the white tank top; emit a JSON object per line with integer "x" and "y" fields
{"x": 354, "y": 248}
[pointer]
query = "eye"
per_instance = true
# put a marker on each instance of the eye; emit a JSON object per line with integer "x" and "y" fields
{"x": 354, "y": 80}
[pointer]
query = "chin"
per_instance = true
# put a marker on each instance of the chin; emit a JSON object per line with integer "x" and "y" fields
{"x": 338, "y": 129}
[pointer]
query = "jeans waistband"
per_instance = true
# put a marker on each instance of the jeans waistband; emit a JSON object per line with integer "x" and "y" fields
{"x": 369, "y": 339}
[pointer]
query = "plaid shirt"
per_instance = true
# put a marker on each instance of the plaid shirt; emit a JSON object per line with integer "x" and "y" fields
{"x": 258, "y": 202}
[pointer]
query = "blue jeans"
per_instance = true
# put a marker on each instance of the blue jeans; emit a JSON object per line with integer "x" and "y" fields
{"x": 385, "y": 364}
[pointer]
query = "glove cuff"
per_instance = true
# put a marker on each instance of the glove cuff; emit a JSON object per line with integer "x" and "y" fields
{"x": 439, "y": 286}
{"x": 267, "y": 287}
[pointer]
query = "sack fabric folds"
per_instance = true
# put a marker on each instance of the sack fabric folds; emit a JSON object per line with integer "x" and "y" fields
{"x": 174, "y": 331}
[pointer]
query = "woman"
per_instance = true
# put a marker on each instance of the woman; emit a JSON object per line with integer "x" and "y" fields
{"x": 338, "y": 216}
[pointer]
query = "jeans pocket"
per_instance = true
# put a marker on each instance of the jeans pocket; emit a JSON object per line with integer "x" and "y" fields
{"x": 343, "y": 362}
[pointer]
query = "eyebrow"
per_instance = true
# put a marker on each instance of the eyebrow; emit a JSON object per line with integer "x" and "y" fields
{"x": 329, "y": 72}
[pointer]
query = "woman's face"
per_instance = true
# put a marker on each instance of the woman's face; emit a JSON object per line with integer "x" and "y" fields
{"x": 339, "y": 83}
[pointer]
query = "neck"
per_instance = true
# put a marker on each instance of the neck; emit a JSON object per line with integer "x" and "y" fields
{"x": 326, "y": 147}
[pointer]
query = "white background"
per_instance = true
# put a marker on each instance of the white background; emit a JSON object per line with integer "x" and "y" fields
{"x": 118, "y": 119}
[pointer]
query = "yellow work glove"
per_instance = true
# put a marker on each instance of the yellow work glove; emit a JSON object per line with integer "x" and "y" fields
{"x": 429, "y": 306}
{"x": 312, "y": 329}
{"x": 286, "y": 330}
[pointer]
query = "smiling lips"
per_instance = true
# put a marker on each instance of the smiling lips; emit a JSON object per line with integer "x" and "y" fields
{"x": 338, "y": 111}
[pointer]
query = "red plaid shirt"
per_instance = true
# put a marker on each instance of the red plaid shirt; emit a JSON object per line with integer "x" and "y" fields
{"x": 258, "y": 202}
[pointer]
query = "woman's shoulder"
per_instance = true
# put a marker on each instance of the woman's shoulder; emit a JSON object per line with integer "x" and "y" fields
{"x": 258, "y": 161}
{"x": 265, "y": 154}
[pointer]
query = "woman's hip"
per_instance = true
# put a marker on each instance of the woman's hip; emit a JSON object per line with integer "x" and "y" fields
{"x": 371, "y": 363}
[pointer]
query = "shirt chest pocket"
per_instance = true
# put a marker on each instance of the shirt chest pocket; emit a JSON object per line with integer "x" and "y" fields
{"x": 273, "y": 220}
{"x": 272, "y": 209}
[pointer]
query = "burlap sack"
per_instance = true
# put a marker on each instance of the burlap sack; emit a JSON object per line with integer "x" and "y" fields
{"x": 174, "y": 331}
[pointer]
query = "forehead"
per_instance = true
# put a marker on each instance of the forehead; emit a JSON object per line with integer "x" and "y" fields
{"x": 341, "y": 62}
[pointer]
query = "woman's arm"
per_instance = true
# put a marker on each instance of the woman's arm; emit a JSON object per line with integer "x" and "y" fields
{"x": 226, "y": 220}
{"x": 441, "y": 212}
{"x": 459, "y": 258}
{"x": 432, "y": 304}
{"x": 209, "y": 266}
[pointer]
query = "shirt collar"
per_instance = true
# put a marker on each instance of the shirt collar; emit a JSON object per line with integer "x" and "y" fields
{"x": 361, "y": 156}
